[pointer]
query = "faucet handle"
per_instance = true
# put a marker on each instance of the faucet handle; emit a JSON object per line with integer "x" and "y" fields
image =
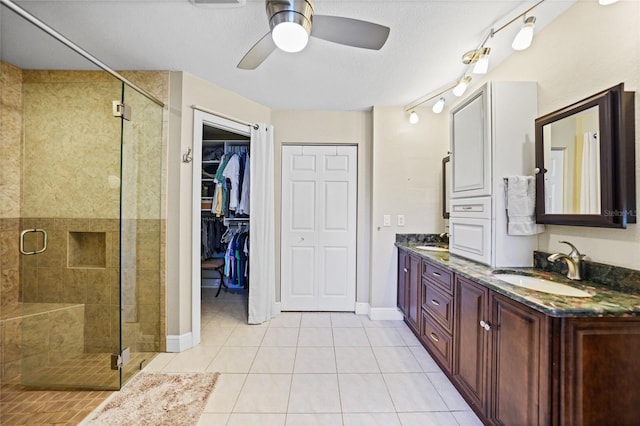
{"x": 574, "y": 250}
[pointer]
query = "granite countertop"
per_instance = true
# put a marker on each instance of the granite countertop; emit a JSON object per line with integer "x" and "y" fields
{"x": 604, "y": 301}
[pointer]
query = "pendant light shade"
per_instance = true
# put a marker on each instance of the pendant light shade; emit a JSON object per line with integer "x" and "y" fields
{"x": 413, "y": 117}
{"x": 525, "y": 35}
{"x": 438, "y": 106}
{"x": 462, "y": 86}
{"x": 607, "y": 2}
{"x": 482, "y": 64}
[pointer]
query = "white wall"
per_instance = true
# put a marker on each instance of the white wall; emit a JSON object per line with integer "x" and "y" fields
{"x": 587, "y": 49}
{"x": 407, "y": 170}
{"x": 330, "y": 127}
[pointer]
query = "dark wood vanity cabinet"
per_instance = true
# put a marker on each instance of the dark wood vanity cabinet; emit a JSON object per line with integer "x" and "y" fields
{"x": 499, "y": 355}
{"x": 515, "y": 365}
{"x": 409, "y": 277}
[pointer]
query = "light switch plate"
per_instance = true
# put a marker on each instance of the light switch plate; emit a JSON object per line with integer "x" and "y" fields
{"x": 400, "y": 220}
{"x": 386, "y": 220}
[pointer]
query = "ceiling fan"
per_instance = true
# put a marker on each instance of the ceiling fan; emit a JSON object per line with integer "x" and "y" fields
{"x": 293, "y": 21}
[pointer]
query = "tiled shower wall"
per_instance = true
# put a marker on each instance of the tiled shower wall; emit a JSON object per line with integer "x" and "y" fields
{"x": 64, "y": 273}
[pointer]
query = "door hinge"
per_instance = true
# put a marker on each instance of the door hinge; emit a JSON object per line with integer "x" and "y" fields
{"x": 118, "y": 361}
{"x": 121, "y": 110}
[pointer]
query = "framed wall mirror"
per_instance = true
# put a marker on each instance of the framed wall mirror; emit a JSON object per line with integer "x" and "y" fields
{"x": 585, "y": 160}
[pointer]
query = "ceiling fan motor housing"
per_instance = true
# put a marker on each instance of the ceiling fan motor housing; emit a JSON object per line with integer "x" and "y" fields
{"x": 298, "y": 11}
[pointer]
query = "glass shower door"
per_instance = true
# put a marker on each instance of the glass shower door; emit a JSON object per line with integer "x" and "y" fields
{"x": 70, "y": 199}
{"x": 141, "y": 236}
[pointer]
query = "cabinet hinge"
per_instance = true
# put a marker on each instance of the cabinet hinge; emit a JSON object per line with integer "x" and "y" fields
{"x": 121, "y": 110}
{"x": 118, "y": 361}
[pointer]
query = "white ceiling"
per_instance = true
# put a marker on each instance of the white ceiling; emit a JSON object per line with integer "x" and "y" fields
{"x": 422, "y": 55}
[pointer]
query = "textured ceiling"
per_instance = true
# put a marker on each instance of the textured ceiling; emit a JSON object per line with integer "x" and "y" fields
{"x": 423, "y": 52}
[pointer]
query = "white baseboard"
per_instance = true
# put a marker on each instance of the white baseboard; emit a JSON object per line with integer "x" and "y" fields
{"x": 385, "y": 314}
{"x": 179, "y": 343}
{"x": 277, "y": 307}
{"x": 362, "y": 308}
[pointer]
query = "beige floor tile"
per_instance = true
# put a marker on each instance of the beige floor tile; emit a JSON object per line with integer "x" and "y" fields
{"x": 425, "y": 360}
{"x": 350, "y": 337}
{"x": 286, "y": 319}
{"x": 364, "y": 393}
{"x": 346, "y": 319}
{"x": 384, "y": 337}
{"x": 264, "y": 393}
{"x": 315, "y": 360}
{"x": 448, "y": 392}
{"x": 274, "y": 360}
{"x": 225, "y": 394}
{"x": 255, "y": 419}
{"x": 213, "y": 419}
{"x": 396, "y": 359}
{"x": 467, "y": 418}
{"x": 212, "y": 335}
{"x": 246, "y": 336}
{"x": 316, "y": 319}
{"x": 413, "y": 392}
{"x": 431, "y": 419}
{"x": 159, "y": 362}
{"x": 315, "y": 336}
{"x": 281, "y": 336}
{"x": 314, "y": 419}
{"x": 314, "y": 393}
{"x": 232, "y": 359}
{"x": 356, "y": 360}
{"x": 371, "y": 419}
{"x": 196, "y": 359}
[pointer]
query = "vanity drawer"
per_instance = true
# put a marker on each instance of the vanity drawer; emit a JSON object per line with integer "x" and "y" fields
{"x": 479, "y": 207}
{"x": 439, "y": 275}
{"x": 437, "y": 341}
{"x": 438, "y": 304}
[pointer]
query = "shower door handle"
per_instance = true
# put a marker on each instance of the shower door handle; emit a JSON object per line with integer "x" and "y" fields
{"x": 25, "y": 232}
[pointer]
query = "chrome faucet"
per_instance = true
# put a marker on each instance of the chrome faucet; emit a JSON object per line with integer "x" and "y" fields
{"x": 573, "y": 261}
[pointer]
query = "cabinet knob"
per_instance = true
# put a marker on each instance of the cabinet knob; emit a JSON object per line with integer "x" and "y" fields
{"x": 437, "y": 274}
{"x": 434, "y": 337}
{"x": 406, "y": 270}
{"x": 485, "y": 325}
{"x": 435, "y": 302}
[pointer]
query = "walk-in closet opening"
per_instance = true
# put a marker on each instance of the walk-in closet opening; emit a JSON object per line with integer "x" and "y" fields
{"x": 224, "y": 223}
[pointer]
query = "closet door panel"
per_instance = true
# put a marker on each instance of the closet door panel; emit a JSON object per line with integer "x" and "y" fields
{"x": 319, "y": 210}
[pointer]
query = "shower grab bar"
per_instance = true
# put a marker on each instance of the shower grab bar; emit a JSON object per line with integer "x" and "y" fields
{"x": 27, "y": 231}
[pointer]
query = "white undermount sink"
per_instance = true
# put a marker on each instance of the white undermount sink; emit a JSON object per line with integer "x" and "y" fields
{"x": 432, "y": 248}
{"x": 540, "y": 284}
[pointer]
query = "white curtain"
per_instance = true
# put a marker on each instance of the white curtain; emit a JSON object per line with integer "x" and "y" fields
{"x": 590, "y": 176}
{"x": 262, "y": 274}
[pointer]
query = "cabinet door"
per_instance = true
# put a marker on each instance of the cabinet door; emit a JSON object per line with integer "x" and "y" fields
{"x": 471, "y": 238}
{"x": 403, "y": 279}
{"x": 601, "y": 371}
{"x": 471, "y": 147}
{"x": 471, "y": 341}
{"x": 414, "y": 298}
{"x": 519, "y": 367}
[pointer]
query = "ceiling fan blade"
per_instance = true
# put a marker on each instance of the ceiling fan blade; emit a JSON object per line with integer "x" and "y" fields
{"x": 351, "y": 32}
{"x": 258, "y": 53}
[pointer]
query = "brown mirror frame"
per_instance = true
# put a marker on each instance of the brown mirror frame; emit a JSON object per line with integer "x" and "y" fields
{"x": 617, "y": 160}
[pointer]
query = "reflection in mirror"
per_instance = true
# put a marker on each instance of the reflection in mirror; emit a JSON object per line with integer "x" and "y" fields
{"x": 572, "y": 158}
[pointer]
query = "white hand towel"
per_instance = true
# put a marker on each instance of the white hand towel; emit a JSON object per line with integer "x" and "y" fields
{"x": 520, "y": 196}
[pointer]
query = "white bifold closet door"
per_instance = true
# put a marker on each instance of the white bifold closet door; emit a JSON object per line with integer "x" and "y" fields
{"x": 318, "y": 252}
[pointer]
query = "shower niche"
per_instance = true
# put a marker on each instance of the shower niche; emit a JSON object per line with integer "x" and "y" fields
{"x": 87, "y": 250}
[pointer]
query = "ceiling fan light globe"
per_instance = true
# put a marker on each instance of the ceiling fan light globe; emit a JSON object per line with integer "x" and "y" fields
{"x": 290, "y": 36}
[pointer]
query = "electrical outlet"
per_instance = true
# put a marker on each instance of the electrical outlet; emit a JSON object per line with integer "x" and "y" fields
{"x": 386, "y": 220}
{"x": 400, "y": 220}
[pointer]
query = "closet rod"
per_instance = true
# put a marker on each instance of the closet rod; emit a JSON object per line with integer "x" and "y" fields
{"x": 62, "y": 39}
{"x": 209, "y": 111}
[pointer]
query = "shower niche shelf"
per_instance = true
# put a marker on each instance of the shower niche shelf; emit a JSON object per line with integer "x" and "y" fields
{"x": 87, "y": 250}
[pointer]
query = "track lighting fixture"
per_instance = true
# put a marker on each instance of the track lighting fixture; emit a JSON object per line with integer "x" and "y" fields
{"x": 479, "y": 57}
{"x": 413, "y": 117}
{"x": 607, "y": 2}
{"x": 525, "y": 35}
{"x": 461, "y": 86}
{"x": 438, "y": 106}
